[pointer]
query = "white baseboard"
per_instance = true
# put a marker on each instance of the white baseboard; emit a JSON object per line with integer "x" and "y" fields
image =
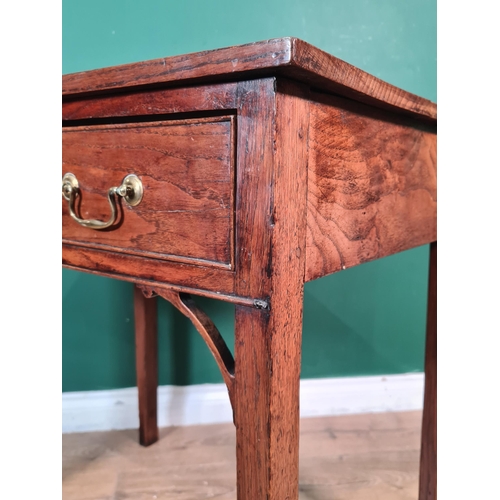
{"x": 209, "y": 403}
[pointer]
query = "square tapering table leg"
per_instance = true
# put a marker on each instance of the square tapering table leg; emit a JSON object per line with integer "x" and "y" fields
{"x": 428, "y": 457}
{"x": 267, "y": 348}
{"x": 146, "y": 345}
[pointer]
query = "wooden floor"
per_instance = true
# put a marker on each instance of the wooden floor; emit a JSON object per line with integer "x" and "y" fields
{"x": 354, "y": 457}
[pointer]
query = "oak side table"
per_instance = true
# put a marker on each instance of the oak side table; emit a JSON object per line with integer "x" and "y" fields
{"x": 240, "y": 174}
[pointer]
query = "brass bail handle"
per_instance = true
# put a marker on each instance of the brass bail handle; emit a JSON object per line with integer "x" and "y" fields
{"x": 130, "y": 190}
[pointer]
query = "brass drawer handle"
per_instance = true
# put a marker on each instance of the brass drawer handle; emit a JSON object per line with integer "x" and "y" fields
{"x": 130, "y": 190}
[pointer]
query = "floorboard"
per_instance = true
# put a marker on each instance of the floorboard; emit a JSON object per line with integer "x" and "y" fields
{"x": 351, "y": 457}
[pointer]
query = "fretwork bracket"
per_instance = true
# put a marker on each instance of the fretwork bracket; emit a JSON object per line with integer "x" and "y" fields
{"x": 206, "y": 328}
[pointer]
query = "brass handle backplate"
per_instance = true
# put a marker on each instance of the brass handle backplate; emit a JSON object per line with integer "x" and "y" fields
{"x": 130, "y": 190}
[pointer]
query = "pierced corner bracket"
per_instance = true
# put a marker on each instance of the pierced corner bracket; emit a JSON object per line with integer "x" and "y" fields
{"x": 206, "y": 328}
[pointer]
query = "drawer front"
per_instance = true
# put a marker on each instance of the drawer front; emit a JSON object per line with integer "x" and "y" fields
{"x": 186, "y": 169}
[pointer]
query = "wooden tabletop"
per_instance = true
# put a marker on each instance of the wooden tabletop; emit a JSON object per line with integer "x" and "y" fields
{"x": 289, "y": 57}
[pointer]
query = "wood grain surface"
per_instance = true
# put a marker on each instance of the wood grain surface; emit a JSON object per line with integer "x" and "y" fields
{"x": 233, "y": 62}
{"x": 271, "y": 262}
{"x": 253, "y": 182}
{"x": 253, "y": 239}
{"x": 146, "y": 363}
{"x": 146, "y": 270}
{"x": 428, "y": 456}
{"x": 187, "y": 173}
{"x": 324, "y": 71}
{"x": 372, "y": 186}
{"x": 196, "y": 99}
{"x": 289, "y": 57}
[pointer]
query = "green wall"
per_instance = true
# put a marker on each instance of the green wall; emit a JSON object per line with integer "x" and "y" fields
{"x": 362, "y": 321}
